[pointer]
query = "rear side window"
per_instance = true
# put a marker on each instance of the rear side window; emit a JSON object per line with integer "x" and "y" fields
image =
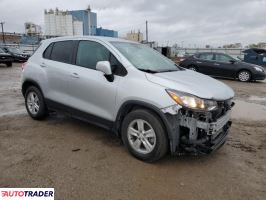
{"x": 62, "y": 51}
{"x": 89, "y": 53}
{"x": 206, "y": 56}
{"x": 47, "y": 52}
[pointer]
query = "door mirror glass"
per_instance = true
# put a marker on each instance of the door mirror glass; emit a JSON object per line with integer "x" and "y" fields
{"x": 104, "y": 66}
{"x": 232, "y": 61}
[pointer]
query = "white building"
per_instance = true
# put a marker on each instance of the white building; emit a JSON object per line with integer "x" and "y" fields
{"x": 61, "y": 23}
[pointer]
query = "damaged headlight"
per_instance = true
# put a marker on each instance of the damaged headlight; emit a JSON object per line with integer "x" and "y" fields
{"x": 191, "y": 101}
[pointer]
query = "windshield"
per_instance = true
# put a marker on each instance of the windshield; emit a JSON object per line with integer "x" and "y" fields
{"x": 2, "y": 51}
{"x": 145, "y": 58}
{"x": 15, "y": 50}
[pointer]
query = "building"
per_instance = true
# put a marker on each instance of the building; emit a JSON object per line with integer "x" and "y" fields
{"x": 88, "y": 19}
{"x": 59, "y": 23}
{"x": 32, "y": 29}
{"x": 10, "y": 38}
{"x": 135, "y": 36}
{"x": 106, "y": 32}
{"x": 233, "y": 46}
{"x": 75, "y": 22}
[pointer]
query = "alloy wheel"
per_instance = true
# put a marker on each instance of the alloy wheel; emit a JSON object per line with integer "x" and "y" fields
{"x": 33, "y": 103}
{"x": 244, "y": 76}
{"x": 141, "y": 136}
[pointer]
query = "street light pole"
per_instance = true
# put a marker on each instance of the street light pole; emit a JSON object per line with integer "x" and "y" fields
{"x": 3, "y": 34}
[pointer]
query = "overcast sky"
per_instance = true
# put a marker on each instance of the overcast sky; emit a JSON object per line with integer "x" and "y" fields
{"x": 196, "y": 22}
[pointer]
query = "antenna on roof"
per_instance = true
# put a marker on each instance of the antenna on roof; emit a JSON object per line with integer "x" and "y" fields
{"x": 89, "y": 8}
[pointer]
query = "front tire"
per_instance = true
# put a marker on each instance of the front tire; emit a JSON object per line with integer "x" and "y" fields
{"x": 35, "y": 103}
{"x": 244, "y": 76}
{"x": 144, "y": 136}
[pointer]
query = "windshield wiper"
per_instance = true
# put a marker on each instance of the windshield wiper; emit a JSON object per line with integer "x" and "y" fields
{"x": 148, "y": 71}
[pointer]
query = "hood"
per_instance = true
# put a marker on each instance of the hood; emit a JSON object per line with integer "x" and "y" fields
{"x": 193, "y": 83}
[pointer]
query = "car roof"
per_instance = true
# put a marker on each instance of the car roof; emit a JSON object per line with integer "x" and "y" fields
{"x": 101, "y": 38}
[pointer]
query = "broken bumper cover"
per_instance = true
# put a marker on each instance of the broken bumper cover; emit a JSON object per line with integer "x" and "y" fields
{"x": 195, "y": 134}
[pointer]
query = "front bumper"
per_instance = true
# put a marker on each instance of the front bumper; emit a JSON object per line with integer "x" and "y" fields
{"x": 259, "y": 76}
{"x": 198, "y": 132}
{"x": 203, "y": 137}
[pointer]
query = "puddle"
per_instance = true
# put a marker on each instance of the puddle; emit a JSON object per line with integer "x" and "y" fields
{"x": 256, "y": 98}
{"x": 249, "y": 111}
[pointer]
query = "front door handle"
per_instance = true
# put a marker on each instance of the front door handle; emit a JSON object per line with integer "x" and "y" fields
{"x": 75, "y": 75}
{"x": 216, "y": 64}
{"x": 199, "y": 62}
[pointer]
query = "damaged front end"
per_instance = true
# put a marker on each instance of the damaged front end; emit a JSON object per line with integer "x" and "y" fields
{"x": 196, "y": 131}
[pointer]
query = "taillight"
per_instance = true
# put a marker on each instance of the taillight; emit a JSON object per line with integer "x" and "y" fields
{"x": 23, "y": 66}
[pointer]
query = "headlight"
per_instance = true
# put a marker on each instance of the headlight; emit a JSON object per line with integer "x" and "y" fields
{"x": 258, "y": 69}
{"x": 190, "y": 101}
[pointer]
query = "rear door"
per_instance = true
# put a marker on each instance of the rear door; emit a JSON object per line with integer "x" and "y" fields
{"x": 56, "y": 62}
{"x": 224, "y": 66}
{"x": 89, "y": 89}
{"x": 205, "y": 63}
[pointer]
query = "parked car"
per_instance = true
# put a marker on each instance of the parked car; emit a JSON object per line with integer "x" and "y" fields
{"x": 5, "y": 58}
{"x": 17, "y": 54}
{"x": 132, "y": 90}
{"x": 255, "y": 56}
{"x": 223, "y": 65}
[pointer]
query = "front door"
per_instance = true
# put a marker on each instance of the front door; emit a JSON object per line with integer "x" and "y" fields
{"x": 205, "y": 63}
{"x": 90, "y": 91}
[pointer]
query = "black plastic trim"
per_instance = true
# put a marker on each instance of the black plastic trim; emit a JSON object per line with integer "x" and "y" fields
{"x": 78, "y": 114}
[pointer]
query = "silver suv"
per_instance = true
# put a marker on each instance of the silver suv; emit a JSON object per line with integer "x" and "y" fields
{"x": 148, "y": 101}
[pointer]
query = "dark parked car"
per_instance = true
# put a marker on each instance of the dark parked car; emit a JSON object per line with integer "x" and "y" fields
{"x": 5, "y": 58}
{"x": 17, "y": 54}
{"x": 255, "y": 56}
{"x": 223, "y": 65}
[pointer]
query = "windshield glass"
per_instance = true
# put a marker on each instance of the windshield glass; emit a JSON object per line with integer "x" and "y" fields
{"x": 15, "y": 50}
{"x": 2, "y": 51}
{"x": 145, "y": 58}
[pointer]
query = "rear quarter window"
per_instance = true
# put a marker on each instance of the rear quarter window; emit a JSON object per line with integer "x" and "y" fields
{"x": 47, "y": 52}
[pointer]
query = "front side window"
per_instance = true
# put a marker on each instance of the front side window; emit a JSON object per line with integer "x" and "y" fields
{"x": 62, "y": 51}
{"x": 206, "y": 56}
{"x": 223, "y": 58}
{"x": 145, "y": 58}
{"x": 89, "y": 53}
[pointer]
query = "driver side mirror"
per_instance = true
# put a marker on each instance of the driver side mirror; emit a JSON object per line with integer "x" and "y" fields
{"x": 105, "y": 67}
{"x": 232, "y": 61}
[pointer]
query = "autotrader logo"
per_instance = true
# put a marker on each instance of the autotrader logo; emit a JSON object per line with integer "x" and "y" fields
{"x": 26, "y": 193}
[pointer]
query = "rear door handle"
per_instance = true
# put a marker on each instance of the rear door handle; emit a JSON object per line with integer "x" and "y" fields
{"x": 216, "y": 64}
{"x": 75, "y": 75}
{"x": 199, "y": 62}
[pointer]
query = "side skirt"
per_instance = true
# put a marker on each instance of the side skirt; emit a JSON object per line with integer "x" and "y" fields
{"x": 75, "y": 113}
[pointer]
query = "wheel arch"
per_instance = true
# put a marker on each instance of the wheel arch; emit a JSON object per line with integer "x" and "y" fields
{"x": 27, "y": 83}
{"x": 131, "y": 105}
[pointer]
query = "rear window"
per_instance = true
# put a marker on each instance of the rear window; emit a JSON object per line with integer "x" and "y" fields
{"x": 62, "y": 51}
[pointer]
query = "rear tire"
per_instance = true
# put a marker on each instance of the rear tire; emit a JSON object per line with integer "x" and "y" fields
{"x": 147, "y": 142}
{"x": 35, "y": 104}
{"x": 9, "y": 64}
{"x": 244, "y": 76}
{"x": 193, "y": 68}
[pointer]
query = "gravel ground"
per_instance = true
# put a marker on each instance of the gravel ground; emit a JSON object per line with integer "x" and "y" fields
{"x": 82, "y": 161}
